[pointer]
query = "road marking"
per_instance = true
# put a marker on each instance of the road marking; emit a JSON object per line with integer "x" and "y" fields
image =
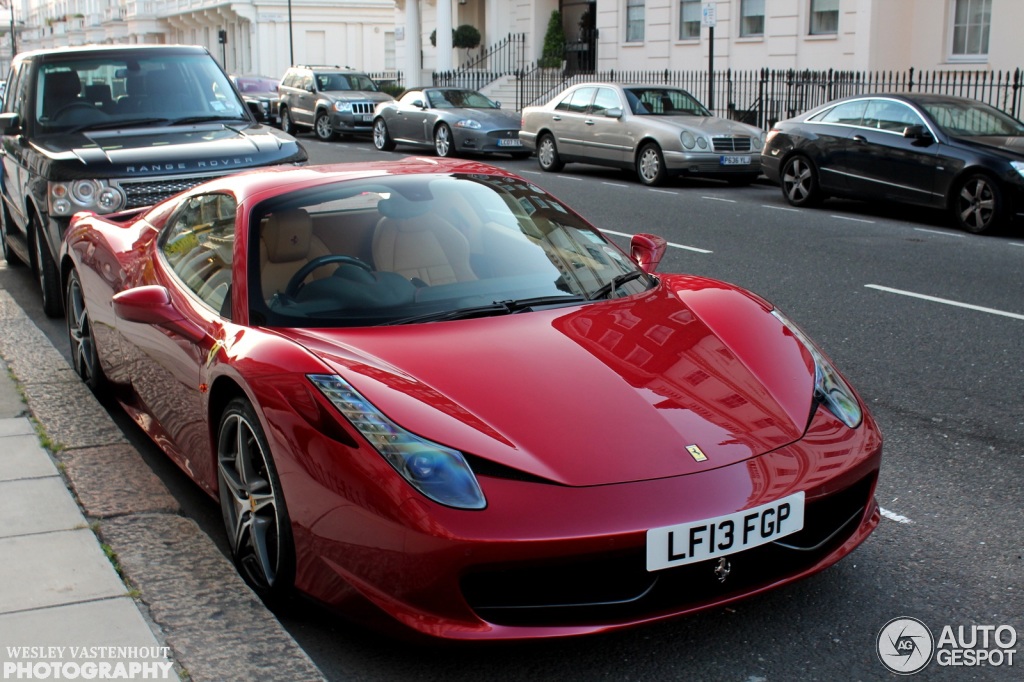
{"x": 944, "y": 234}
{"x": 675, "y": 246}
{"x": 893, "y": 516}
{"x": 934, "y": 299}
{"x": 780, "y": 208}
{"x": 663, "y": 191}
{"x": 531, "y": 172}
{"x": 728, "y": 201}
{"x": 853, "y": 220}
{"x": 573, "y": 178}
{"x": 614, "y": 184}
{"x": 1015, "y": 244}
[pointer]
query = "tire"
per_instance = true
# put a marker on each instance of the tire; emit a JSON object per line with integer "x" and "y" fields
{"x": 977, "y": 204}
{"x": 650, "y": 165}
{"x": 799, "y": 180}
{"x": 12, "y": 258}
{"x": 547, "y": 155}
{"x": 381, "y": 137}
{"x": 84, "y": 354}
{"x": 46, "y": 272}
{"x": 444, "y": 142}
{"x": 323, "y": 128}
{"x": 287, "y": 124}
{"x": 252, "y": 505}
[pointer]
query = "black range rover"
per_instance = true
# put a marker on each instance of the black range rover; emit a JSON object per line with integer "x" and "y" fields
{"x": 109, "y": 128}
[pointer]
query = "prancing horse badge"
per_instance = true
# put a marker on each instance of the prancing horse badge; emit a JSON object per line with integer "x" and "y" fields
{"x": 697, "y": 454}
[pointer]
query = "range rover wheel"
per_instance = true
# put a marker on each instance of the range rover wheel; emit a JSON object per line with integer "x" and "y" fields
{"x": 46, "y": 272}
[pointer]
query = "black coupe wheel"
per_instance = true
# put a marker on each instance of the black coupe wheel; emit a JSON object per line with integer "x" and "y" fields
{"x": 46, "y": 272}
{"x": 444, "y": 143}
{"x": 252, "y": 504}
{"x": 381, "y": 137}
{"x": 800, "y": 182}
{"x": 84, "y": 355}
{"x": 650, "y": 165}
{"x": 323, "y": 128}
{"x": 978, "y": 204}
{"x": 547, "y": 155}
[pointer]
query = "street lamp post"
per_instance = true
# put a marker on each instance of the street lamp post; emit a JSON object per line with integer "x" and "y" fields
{"x": 14, "y": 37}
{"x": 291, "y": 46}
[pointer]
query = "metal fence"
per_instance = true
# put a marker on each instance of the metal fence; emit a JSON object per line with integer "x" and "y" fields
{"x": 503, "y": 58}
{"x": 766, "y": 96}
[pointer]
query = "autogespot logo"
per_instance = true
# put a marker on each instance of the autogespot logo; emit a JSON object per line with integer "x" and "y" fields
{"x": 905, "y": 645}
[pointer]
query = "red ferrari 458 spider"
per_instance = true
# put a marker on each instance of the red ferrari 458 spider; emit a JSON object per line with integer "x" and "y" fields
{"x": 431, "y": 387}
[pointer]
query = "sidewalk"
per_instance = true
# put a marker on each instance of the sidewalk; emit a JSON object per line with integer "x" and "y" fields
{"x": 166, "y": 604}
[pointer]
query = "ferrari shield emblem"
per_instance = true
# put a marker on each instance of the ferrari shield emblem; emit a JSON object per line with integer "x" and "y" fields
{"x": 697, "y": 454}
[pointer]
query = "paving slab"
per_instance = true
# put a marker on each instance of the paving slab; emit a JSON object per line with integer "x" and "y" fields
{"x": 217, "y": 626}
{"x": 18, "y": 426}
{"x": 71, "y": 416}
{"x": 23, "y": 457}
{"x": 113, "y": 480}
{"x": 73, "y": 631}
{"x": 62, "y": 567}
{"x": 31, "y": 356}
{"x": 37, "y": 505}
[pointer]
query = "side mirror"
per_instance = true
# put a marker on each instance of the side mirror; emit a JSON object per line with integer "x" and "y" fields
{"x": 614, "y": 112}
{"x": 647, "y": 250}
{"x": 257, "y": 110}
{"x": 419, "y": 104}
{"x": 917, "y": 132}
{"x": 10, "y": 124}
{"x": 497, "y": 104}
{"x": 152, "y": 305}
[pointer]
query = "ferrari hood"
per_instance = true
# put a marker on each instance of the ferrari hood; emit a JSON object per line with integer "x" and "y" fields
{"x": 689, "y": 376}
{"x": 491, "y": 118}
{"x": 150, "y": 150}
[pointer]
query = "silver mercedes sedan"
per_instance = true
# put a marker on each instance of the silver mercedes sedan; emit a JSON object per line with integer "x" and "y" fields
{"x": 657, "y": 130}
{"x": 451, "y": 120}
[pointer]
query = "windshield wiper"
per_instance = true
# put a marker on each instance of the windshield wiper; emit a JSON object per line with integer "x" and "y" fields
{"x": 121, "y": 123}
{"x": 615, "y": 283}
{"x": 491, "y": 309}
{"x": 203, "y": 119}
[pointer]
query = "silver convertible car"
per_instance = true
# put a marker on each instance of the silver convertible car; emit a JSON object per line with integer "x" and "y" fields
{"x": 658, "y": 131}
{"x": 451, "y": 120}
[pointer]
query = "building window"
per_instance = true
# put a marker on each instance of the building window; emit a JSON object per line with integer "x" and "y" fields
{"x": 971, "y": 21}
{"x": 751, "y": 18}
{"x": 634, "y": 21}
{"x": 689, "y": 19}
{"x": 389, "y": 50}
{"x": 824, "y": 17}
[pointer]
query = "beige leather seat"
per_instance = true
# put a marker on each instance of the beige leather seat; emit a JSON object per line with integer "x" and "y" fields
{"x": 419, "y": 245}
{"x": 287, "y": 243}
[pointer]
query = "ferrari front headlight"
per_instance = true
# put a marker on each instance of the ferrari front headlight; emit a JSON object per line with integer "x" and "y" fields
{"x": 440, "y": 473}
{"x": 830, "y": 389}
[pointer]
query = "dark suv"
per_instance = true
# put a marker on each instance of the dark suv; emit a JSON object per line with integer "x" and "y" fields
{"x": 329, "y": 99}
{"x": 109, "y": 128}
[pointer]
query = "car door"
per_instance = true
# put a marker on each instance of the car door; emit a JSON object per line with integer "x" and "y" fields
{"x": 568, "y": 122}
{"x": 15, "y": 167}
{"x": 305, "y": 100}
{"x": 886, "y": 165}
{"x": 606, "y": 137}
{"x": 192, "y": 259}
{"x": 827, "y": 142}
{"x": 408, "y": 117}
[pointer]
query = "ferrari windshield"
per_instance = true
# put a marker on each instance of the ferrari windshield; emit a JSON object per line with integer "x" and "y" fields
{"x": 449, "y": 98}
{"x": 422, "y": 248}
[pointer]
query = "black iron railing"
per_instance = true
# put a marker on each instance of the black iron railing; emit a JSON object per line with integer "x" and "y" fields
{"x": 503, "y": 58}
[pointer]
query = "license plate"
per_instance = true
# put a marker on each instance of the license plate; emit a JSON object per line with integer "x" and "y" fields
{"x": 721, "y": 536}
{"x": 510, "y": 142}
{"x": 367, "y": 117}
{"x": 734, "y": 160}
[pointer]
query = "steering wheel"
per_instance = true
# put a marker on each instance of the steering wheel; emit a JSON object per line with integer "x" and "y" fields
{"x": 73, "y": 105}
{"x": 295, "y": 283}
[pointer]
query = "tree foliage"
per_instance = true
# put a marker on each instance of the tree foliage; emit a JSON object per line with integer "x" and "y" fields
{"x": 554, "y": 42}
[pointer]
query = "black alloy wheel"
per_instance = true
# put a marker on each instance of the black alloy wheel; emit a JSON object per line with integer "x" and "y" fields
{"x": 800, "y": 182}
{"x": 46, "y": 272}
{"x": 84, "y": 354}
{"x": 978, "y": 204}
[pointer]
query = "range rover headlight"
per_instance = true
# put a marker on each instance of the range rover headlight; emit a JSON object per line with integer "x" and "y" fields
{"x": 67, "y": 198}
{"x": 440, "y": 473}
{"x": 829, "y": 387}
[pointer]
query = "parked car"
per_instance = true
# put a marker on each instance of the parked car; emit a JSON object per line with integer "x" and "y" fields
{"x": 327, "y": 351}
{"x": 262, "y": 91}
{"x": 104, "y": 128}
{"x": 930, "y": 150}
{"x": 329, "y": 100}
{"x": 451, "y": 120}
{"x": 657, "y": 131}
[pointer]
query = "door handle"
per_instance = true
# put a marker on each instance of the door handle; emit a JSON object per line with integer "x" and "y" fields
{"x": 859, "y": 139}
{"x": 589, "y": 122}
{"x": 556, "y": 118}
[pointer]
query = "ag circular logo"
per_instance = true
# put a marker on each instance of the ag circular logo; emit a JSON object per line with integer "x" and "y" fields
{"x": 905, "y": 645}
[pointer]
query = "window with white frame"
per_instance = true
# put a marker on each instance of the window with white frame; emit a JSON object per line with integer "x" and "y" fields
{"x": 971, "y": 22}
{"x": 389, "y": 50}
{"x": 689, "y": 19}
{"x": 751, "y": 18}
{"x": 824, "y": 17}
{"x": 634, "y": 21}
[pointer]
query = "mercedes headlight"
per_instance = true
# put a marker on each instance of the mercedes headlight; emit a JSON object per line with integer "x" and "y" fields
{"x": 440, "y": 473}
{"x": 468, "y": 123}
{"x": 829, "y": 387}
{"x": 686, "y": 137}
{"x": 702, "y": 143}
{"x": 68, "y": 198}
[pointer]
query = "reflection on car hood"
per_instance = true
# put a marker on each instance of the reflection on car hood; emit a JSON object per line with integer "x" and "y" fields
{"x": 161, "y": 150}
{"x": 489, "y": 118}
{"x": 358, "y": 96}
{"x": 1006, "y": 143}
{"x": 709, "y": 125}
{"x": 595, "y": 394}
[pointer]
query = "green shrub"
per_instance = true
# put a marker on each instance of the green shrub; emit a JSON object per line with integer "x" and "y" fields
{"x": 554, "y": 42}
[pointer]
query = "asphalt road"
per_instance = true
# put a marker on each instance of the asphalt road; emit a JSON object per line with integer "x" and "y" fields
{"x": 927, "y": 322}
